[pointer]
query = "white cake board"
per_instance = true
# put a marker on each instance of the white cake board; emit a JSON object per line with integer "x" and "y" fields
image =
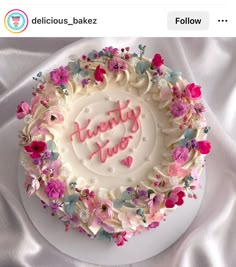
{"x": 103, "y": 252}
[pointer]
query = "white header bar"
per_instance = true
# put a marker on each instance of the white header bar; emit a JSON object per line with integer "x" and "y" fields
{"x": 137, "y": 20}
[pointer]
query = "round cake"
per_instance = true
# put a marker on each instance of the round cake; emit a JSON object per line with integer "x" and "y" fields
{"x": 112, "y": 142}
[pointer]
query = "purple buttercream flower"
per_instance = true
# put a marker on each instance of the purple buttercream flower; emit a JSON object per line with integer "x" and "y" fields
{"x": 194, "y": 144}
{"x": 130, "y": 189}
{"x": 142, "y": 193}
{"x": 54, "y": 206}
{"x": 46, "y": 155}
{"x": 59, "y": 76}
{"x": 55, "y": 189}
{"x": 178, "y": 108}
{"x": 37, "y": 161}
{"x": 85, "y": 82}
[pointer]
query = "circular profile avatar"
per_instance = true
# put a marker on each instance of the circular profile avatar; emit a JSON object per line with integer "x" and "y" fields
{"x": 16, "y": 21}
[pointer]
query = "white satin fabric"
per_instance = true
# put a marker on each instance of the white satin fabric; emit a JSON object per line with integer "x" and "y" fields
{"x": 211, "y": 239}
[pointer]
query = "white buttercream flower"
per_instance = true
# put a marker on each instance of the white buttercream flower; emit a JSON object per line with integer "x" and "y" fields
{"x": 28, "y": 119}
{"x": 103, "y": 193}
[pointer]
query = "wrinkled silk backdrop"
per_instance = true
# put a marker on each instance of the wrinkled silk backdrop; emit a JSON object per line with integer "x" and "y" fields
{"x": 210, "y": 62}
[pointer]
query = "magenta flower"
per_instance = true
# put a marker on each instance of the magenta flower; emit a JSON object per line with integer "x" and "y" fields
{"x": 120, "y": 238}
{"x": 175, "y": 198}
{"x": 53, "y": 117}
{"x": 23, "y": 109}
{"x": 153, "y": 225}
{"x": 36, "y": 149}
{"x": 116, "y": 65}
{"x": 59, "y": 76}
{"x": 180, "y": 154}
{"x": 204, "y": 146}
{"x": 157, "y": 61}
{"x": 99, "y": 73}
{"x": 104, "y": 210}
{"x": 193, "y": 90}
{"x": 178, "y": 109}
{"x": 55, "y": 189}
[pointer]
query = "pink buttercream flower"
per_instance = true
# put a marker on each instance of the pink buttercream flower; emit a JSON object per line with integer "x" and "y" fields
{"x": 36, "y": 149}
{"x": 32, "y": 183}
{"x": 59, "y": 76}
{"x": 53, "y": 117}
{"x": 153, "y": 220}
{"x": 178, "y": 109}
{"x": 38, "y": 129}
{"x": 204, "y": 146}
{"x": 154, "y": 202}
{"x": 175, "y": 198}
{"x": 104, "y": 210}
{"x": 55, "y": 189}
{"x": 193, "y": 90}
{"x": 110, "y": 50}
{"x": 120, "y": 238}
{"x": 116, "y": 65}
{"x": 157, "y": 61}
{"x": 99, "y": 74}
{"x": 35, "y": 102}
{"x": 176, "y": 170}
{"x": 23, "y": 109}
{"x": 180, "y": 154}
{"x": 198, "y": 108}
{"x": 52, "y": 168}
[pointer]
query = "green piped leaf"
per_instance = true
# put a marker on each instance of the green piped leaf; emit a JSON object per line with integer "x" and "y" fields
{"x": 150, "y": 191}
{"x": 126, "y": 195}
{"x": 142, "y": 66}
{"x": 51, "y": 145}
{"x": 128, "y": 205}
{"x": 117, "y": 203}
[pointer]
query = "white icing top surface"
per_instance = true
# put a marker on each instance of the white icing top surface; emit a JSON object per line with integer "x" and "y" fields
{"x": 145, "y": 147}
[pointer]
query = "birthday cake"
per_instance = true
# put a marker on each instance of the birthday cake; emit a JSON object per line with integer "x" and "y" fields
{"x": 112, "y": 142}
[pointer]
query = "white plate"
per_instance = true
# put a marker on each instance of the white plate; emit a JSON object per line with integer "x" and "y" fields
{"x": 139, "y": 248}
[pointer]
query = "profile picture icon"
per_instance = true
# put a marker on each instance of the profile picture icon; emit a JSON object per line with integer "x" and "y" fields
{"x": 16, "y": 21}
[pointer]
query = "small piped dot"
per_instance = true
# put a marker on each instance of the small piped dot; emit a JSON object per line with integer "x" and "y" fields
{"x": 144, "y": 139}
{"x": 147, "y": 158}
{"x": 107, "y": 98}
{"x": 87, "y": 110}
{"x": 131, "y": 150}
{"x": 143, "y": 116}
{"x": 110, "y": 169}
{"x": 130, "y": 179}
{"x": 93, "y": 180}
